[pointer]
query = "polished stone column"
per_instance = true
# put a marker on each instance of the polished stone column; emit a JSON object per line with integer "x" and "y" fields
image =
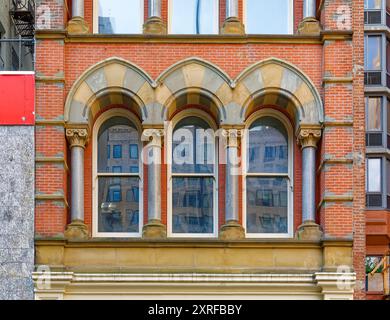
{"x": 152, "y": 155}
{"x": 232, "y": 24}
{"x": 77, "y": 24}
{"x": 308, "y": 138}
{"x": 309, "y": 25}
{"x": 77, "y": 140}
{"x": 232, "y": 230}
{"x": 154, "y": 24}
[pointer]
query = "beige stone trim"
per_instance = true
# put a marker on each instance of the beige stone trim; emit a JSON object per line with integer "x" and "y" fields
{"x": 60, "y": 123}
{"x": 77, "y": 137}
{"x": 335, "y": 199}
{"x": 328, "y": 80}
{"x": 309, "y": 136}
{"x": 51, "y": 197}
{"x": 333, "y": 161}
{"x": 49, "y": 79}
{"x": 52, "y": 160}
{"x": 233, "y": 137}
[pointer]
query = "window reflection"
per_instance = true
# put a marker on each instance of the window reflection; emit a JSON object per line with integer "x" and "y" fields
{"x": 373, "y": 53}
{"x": 120, "y": 16}
{"x": 194, "y": 16}
{"x": 268, "y": 17}
{"x": 118, "y": 177}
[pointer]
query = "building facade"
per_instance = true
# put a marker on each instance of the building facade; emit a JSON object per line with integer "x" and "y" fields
{"x": 17, "y": 93}
{"x": 376, "y": 65}
{"x": 200, "y": 149}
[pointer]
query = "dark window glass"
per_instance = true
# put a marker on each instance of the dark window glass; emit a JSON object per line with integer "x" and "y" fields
{"x": 267, "y": 212}
{"x": 266, "y": 136}
{"x": 133, "y": 151}
{"x": 193, "y": 205}
{"x": 115, "y": 211}
{"x": 117, "y": 152}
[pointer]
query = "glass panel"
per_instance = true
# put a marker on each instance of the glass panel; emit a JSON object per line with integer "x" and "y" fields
{"x": 373, "y": 53}
{"x": 194, "y": 16}
{"x": 268, "y": 147}
{"x": 117, "y": 134}
{"x": 118, "y": 205}
{"x": 374, "y": 114}
{"x": 268, "y": 17}
{"x": 193, "y": 147}
{"x": 120, "y": 16}
{"x": 374, "y": 175}
{"x": 193, "y": 205}
{"x": 267, "y": 205}
{"x": 388, "y": 117}
{"x": 372, "y": 4}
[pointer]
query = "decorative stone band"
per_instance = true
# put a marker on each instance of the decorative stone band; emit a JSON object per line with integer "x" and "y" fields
{"x": 309, "y": 137}
{"x": 233, "y": 137}
{"x": 77, "y": 137}
{"x": 154, "y": 137}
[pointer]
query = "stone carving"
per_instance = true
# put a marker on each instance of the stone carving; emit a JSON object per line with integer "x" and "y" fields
{"x": 77, "y": 137}
{"x": 309, "y": 137}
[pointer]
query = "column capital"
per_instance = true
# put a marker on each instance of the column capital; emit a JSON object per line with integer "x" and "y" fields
{"x": 154, "y": 137}
{"x": 233, "y": 137}
{"x": 77, "y": 137}
{"x": 309, "y": 136}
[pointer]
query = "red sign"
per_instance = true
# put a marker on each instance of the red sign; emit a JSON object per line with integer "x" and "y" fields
{"x": 17, "y": 98}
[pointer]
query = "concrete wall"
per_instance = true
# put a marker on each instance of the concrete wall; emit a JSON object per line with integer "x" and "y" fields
{"x": 16, "y": 212}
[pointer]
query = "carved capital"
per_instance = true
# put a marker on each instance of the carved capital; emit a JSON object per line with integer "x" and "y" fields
{"x": 77, "y": 26}
{"x": 77, "y": 137}
{"x": 233, "y": 137}
{"x": 309, "y": 137}
{"x": 155, "y": 26}
{"x": 154, "y": 137}
{"x": 233, "y": 26}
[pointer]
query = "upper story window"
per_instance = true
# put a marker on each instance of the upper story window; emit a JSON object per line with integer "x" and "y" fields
{"x": 192, "y": 182}
{"x": 374, "y": 135}
{"x": 119, "y": 16}
{"x": 372, "y": 11}
{"x": 116, "y": 214}
{"x": 373, "y": 60}
{"x": 193, "y": 16}
{"x": 268, "y": 177}
{"x": 269, "y": 17}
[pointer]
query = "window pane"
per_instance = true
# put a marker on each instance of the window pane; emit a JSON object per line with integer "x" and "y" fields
{"x": 374, "y": 175}
{"x": 372, "y": 4}
{"x": 268, "y": 17}
{"x": 374, "y": 114}
{"x": 192, "y": 203}
{"x": 268, "y": 147}
{"x": 373, "y": 53}
{"x": 117, "y": 134}
{"x": 267, "y": 205}
{"x": 117, "y": 211}
{"x": 388, "y": 117}
{"x": 193, "y": 147}
{"x": 120, "y": 16}
{"x": 194, "y": 16}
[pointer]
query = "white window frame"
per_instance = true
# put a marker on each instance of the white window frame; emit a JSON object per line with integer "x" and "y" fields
{"x": 291, "y": 17}
{"x": 96, "y": 18}
{"x": 170, "y": 15}
{"x": 95, "y": 176}
{"x": 290, "y": 175}
{"x": 172, "y": 124}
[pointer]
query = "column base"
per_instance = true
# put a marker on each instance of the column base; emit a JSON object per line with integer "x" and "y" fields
{"x": 77, "y": 26}
{"x": 77, "y": 230}
{"x": 309, "y": 230}
{"x": 232, "y": 231}
{"x": 155, "y": 26}
{"x": 154, "y": 229}
{"x": 233, "y": 26}
{"x": 309, "y": 26}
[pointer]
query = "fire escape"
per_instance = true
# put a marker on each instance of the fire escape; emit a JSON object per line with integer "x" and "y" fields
{"x": 23, "y": 16}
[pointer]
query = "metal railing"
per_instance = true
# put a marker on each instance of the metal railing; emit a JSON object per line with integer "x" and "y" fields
{"x": 17, "y": 54}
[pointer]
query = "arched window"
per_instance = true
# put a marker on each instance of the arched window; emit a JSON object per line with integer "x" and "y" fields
{"x": 117, "y": 177}
{"x": 192, "y": 179}
{"x": 268, "y": 176}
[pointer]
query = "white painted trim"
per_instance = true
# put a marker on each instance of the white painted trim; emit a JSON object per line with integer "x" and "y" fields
{"x": 102, "y": 118}
{"x": 20, "y": 73}
{"x": 95, "y": 28}
{"x": 216, "y": 8}
{"x": 291, "y": 15}
{"x": 168, "y": 155}
{"x": 290, "y": 187}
